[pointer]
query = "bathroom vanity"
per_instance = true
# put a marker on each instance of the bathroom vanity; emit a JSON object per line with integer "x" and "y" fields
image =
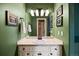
{"x": 48, "y": 46}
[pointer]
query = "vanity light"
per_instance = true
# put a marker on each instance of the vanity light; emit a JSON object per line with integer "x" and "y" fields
{"x": 37, "y": 12}
{"x": 32, "y": 13}
{"x": 42, "y": 12}
{"x": 46, "y": 12}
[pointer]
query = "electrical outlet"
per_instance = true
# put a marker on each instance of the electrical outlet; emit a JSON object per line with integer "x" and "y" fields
{"x": 58, "y": 32}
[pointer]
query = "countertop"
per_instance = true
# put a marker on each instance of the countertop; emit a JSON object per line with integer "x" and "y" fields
{"x": 44, "y": 41}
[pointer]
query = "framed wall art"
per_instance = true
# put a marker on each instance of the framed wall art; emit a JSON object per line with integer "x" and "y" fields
{"x": 59, "y": 11}
{"x": 59, "y": 21}
{"x": 11, "y": 19}
{"x": 59, "y": 16}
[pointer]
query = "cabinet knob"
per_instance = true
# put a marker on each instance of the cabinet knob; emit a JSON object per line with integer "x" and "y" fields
{"x": 51, "y": 54}
{"x": 55, "y": 48}
{"x": 23, "y": 49}
{"x": 28, "y": 54}
{"x": 39, "y": 53}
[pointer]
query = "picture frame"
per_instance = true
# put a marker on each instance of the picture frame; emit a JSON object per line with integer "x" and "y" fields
{"x": 59, "y": 11}
{"x": 11, "y": 19}
{"x": 59, "y": 21}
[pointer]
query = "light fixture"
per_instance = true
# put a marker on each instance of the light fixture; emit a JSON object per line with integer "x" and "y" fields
{"x": 32, "y": 12}
{"x": 46, "y": 12}
{"x": 37, "y": 12}
{"x": 42, "y": 12}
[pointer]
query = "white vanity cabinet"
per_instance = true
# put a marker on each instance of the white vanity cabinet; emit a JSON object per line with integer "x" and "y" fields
{"x": 42, "y": 50}
{"x": 44, "y": 47}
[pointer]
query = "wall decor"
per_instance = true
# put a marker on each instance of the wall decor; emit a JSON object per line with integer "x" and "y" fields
{"x": 59, "y": 21}
{"x": 11, "y": 19}
{"x": 59, "y": 16}
{"x": 59, "y": 11}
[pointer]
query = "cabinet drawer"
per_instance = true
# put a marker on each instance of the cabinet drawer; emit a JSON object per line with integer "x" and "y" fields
{"x": 26, "y": 48}
{"x": 34, "y": 48}
{"x": 40, "y": 50}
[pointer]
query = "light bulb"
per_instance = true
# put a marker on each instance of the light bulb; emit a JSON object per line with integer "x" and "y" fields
{"x": 37, "y": 12}
{"x": 32, "y": 12}
{"x": 42, "y": 12}
{"x": 47, "y": 12}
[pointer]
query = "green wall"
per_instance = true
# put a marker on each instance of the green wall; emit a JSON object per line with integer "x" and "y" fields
{"x": 65, "y": 28}
{"x": 39, "y": 5}
{"x": 9, "y": 34}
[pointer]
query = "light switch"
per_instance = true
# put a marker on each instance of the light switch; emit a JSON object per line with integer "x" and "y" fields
{"x": 61, "y": 33}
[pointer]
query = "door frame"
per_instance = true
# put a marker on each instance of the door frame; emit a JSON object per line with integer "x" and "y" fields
{"x": 44, "y": 25}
